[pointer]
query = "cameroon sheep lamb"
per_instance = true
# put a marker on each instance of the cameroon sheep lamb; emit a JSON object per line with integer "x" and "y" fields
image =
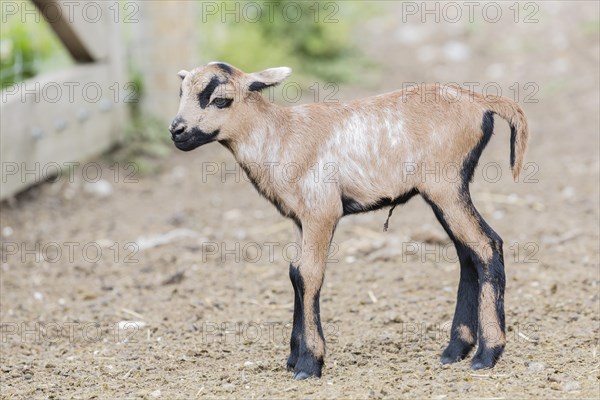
{"x": 371, "y": 142}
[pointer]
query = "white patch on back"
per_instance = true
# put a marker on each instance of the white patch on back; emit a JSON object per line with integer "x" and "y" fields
{"x": 363, "y": 148}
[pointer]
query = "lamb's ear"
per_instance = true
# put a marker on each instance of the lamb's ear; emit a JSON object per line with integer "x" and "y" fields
{"x": 269, "y": 77}
{"x": 182, "y": 74}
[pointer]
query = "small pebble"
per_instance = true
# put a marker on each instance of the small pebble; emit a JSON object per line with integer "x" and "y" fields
{"x": 536, "y": 367}
{"x": 229, "y": 387}
{"x": 457, "y": 51}
{"x": 409, "y": 34}
{"x": 133, "y": 325}
{"x": 179, "y": 172}
{"x": 568, "y": 192}
{"x": 101, "y": 188}
{"x": 156, "y": 393}
{"x": 571, "y": 386}
{"x": 498, "y": 214}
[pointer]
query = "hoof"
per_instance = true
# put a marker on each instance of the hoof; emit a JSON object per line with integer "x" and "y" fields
{"x": 476, "y": 365}
{"x": 300, "y": 376}
{"x": 449, "y": 360}
{"x": 486, "y": 358}
{"x": 455, "y": 352}
{"x": 308, "y": 367}
{"x": 291, "y": 363}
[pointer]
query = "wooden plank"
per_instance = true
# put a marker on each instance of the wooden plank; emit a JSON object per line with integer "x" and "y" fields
{"x": 81, "y": 26}
{"x": 56, "y": 119}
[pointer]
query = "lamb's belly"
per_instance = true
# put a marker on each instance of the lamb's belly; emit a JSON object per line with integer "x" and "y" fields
{"x": 370, "y": 184}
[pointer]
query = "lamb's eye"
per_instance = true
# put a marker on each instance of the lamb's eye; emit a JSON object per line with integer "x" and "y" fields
{"x": 222, "y": 102}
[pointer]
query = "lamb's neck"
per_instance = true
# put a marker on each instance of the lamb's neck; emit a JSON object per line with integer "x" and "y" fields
{"x": 262, "y": 143}
{"x": 261, "y": 154}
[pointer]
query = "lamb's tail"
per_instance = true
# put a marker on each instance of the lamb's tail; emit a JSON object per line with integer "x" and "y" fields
{"x": 514, "y": 115}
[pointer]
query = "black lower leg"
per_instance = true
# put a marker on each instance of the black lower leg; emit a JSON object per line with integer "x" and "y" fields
{"x": 308, "y": 363}
{"x": 464, "y": 325}
{"x": 296, "y": 336}
{"x": 491, "y": 332}
{"x": 465, "y": 321}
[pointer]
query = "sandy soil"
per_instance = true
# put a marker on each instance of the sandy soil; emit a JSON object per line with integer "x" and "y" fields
{"x": 205, "y": 311}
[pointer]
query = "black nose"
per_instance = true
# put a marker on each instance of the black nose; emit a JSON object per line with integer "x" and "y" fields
{"x": 177, "y": 128}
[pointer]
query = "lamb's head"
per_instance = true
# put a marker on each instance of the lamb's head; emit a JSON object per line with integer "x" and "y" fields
{"x": 217, "y": 100}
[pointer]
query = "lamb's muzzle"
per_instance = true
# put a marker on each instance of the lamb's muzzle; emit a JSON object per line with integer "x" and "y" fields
{"x": 370, "y": 153}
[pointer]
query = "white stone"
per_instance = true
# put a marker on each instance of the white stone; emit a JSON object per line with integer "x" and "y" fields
{"x": 457, "y": 51}
{"x": 101, "y": 188}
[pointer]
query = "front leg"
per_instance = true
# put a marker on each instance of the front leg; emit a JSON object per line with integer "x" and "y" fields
{"x": 297, "y": 323}
{"x": 308, "y": 279}
{"x": 297, "y": 326}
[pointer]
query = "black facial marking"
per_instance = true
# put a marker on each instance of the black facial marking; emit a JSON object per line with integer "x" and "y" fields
{"x": 351, "y": 206}
{"x": 204, "y": 96}
{"x": 194, "y": 138}
{"x": 258, "y": 86}
{"x": 225, "y": 68}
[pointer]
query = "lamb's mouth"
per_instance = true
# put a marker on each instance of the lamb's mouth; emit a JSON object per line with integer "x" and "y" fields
{"x": 195, "y": 138}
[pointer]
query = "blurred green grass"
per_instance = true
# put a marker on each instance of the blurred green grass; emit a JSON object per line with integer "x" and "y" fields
{"x": 318, "y": 45}
{"x": 28, "y": 48}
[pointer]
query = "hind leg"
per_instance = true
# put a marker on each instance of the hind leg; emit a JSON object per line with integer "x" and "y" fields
{"x": 463, "y": 334}
{"x": 480, "y": 300}
{"x": 492, "y": 282}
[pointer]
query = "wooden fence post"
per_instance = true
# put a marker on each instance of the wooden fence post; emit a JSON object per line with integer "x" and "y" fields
{"x": 164, "y": 42}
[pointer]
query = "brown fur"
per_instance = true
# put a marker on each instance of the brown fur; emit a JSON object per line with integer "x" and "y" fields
{"x": 464, "y": 332}
{"x": 382, "y": 148}
{"x": 488, "y": 317}
{"x": 438, "y": 133}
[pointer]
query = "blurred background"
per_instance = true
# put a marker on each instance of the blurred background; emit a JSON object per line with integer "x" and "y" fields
{"x": 103, "y": 223}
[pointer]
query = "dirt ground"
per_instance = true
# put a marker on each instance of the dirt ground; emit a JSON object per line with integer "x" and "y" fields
{"x": 190, "y": 296}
